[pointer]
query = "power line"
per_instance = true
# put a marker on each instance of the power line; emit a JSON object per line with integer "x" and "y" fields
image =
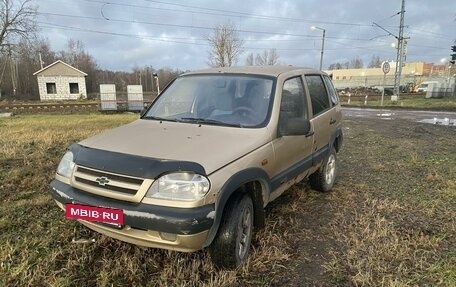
{"x": 192, "y": 41}
{"x": 199, "y": 27}
{"x": 171, "y": 40}
{"x": 177, "y": 25}
{"x": 69, "y": 16}
{"x": 222, "y": 12}
{"x": 424, "y": 33}
{"x": 218, "y": 12}
{"x": 145, "y": 37}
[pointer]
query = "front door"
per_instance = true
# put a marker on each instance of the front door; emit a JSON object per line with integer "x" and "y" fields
{"x": 292, "y": 153}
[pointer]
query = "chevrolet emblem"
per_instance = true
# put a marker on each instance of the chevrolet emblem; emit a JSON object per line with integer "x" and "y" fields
{"x": 102, "y": 180}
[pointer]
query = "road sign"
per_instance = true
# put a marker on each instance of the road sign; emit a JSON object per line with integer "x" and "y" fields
{"x": 386, "y": 67}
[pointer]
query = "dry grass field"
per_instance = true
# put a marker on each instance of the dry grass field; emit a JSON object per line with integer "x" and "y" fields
{"x": 390, "y": 220}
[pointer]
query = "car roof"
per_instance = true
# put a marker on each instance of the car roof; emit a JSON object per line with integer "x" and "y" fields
{"x": 255, "y": 70}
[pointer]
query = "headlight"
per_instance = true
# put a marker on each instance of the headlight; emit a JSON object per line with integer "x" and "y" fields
{"x": 66, "y": 165}
{"x": 179, "y": 186}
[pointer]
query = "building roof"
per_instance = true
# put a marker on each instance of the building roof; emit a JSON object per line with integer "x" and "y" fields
{"x": 59, "y": 68}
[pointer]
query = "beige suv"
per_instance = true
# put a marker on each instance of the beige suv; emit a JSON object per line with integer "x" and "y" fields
{"x": 202, "y": 162}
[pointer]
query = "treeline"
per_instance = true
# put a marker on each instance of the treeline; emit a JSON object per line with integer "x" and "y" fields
{"x": 19, "y": 62}
{"x": 356, "y": 63}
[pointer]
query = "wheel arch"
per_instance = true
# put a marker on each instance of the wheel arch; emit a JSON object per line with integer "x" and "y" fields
{"x": 254, "y": 182}
{"x": 336, "y": 139}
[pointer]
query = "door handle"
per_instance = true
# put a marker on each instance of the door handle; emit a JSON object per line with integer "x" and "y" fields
{"x": 331, "y": 122}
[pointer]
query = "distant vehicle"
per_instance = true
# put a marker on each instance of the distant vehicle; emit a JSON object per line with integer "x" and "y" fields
{"x": 424, "y": 86}
{"x": 408, "y": 88}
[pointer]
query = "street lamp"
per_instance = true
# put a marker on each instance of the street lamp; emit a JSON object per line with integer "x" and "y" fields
{"x": 322, "y": 44}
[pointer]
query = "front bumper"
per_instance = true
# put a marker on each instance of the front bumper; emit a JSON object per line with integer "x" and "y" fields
{"x": 182, "y": 229}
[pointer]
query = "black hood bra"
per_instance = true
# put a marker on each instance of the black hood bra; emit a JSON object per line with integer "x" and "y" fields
{"x": 132, "y": 165}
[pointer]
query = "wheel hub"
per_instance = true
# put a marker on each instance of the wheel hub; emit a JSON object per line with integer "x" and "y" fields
{"x": 245, "y": 232}
{"x": 330, "y": 169}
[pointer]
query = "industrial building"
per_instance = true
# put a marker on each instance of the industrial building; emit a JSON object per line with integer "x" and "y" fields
{"x": 413, "y": 74}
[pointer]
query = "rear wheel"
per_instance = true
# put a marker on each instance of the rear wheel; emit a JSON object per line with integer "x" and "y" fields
{"x": 323, "y": 179}
{"x": 231, "y": 245}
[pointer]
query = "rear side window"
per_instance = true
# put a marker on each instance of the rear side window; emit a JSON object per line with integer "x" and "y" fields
{"x": 331, "y": 91}
{"x": 318, "y": 94}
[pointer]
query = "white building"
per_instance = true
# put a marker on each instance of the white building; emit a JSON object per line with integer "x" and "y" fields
{"x": 60, "y": 81}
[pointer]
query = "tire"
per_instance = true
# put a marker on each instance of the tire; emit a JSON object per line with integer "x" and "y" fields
{"x": 323, "y": 179}
{"x": 231, "y": 245}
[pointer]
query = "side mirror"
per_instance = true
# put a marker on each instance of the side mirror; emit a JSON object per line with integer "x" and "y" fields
{"x": 297, "y": 127}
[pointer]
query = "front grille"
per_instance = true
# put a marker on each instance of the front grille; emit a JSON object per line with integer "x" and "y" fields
{"x": 110, "y": 175}
{"x": 107, "y": 181}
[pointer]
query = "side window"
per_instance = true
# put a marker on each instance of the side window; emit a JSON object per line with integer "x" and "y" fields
{"x": 293, "y": 104}
{"x": 51, "y": 88}
{"x": 331, "y": 91}
{"x": 318, "y": 95}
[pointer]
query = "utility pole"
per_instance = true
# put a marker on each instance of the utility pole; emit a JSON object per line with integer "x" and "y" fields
{"x": 400, "y": 56}
{"x": 322, "y": 44}
{"x": 322, "y": 49}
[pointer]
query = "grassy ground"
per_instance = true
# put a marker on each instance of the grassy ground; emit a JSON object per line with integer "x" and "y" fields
{"x": 443, "y": 104}
{"x": 390, "y": 220}
{"x": 397, "y": 224}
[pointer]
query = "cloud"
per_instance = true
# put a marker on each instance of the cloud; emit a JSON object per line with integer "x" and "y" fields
{"x": 120, "y": 36}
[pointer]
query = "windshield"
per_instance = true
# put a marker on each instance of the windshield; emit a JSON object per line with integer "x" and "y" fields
{"x": 220, "y": 99}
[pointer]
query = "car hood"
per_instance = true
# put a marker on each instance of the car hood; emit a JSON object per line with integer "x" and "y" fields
{"x": 209, "y": 145}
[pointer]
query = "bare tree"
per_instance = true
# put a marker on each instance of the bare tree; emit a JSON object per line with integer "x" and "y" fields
{"x": 226, "y": 46}
{"x": 249, "y": 60}
{"x": 273, "y": 57}
{"x": 17, "y": 20}
{"x": 76, "y": 56}
{"x": 269, "y": 58}
{"x": 74, "y": 53}
{"x": 260, "y": 59}
{"x": 356, "y": 63}
{"x": 375, "y": 62}
{"x": 335, "y": 66}
{"x": 18, "y": 67}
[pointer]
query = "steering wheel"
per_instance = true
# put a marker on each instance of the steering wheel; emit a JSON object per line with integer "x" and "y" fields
{"x": 246, "y": 112}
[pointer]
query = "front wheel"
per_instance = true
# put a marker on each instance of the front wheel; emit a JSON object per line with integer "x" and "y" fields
{"x": 231, "y": 246}
{"x": 323, "y": 179}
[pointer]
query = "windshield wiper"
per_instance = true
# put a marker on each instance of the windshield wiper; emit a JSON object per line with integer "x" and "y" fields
{"x": 210, "y": 121}
{"x": 160, "y": 119}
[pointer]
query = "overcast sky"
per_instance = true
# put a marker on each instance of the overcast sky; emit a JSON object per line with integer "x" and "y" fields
{"x": 170, "y": 33}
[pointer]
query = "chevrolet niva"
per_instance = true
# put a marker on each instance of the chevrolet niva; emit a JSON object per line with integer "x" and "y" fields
{"x": 199, "y": 166}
